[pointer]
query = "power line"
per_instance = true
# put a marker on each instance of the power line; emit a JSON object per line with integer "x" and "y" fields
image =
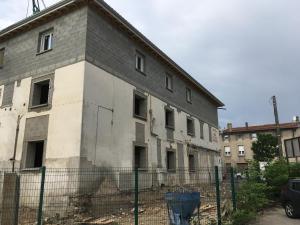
{"x": 44, "y": 4}
{"x": 27, "y": 8}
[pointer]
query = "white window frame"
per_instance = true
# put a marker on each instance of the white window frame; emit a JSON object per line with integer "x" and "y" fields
{"x": 42, "y": 41}
{"x": 241, "y": 149}
{"x": 226, "y": 137}
{"x": 254, "y": 137}
{"x": 169, "y": 82}
{"x": 140, "y": 57}
{"x": 227, "y": 151}
{"x": 188, "y": 95}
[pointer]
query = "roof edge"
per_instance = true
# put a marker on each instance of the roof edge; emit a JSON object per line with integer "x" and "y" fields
{"x": 263, "y": 127}
{"x": 121, "y": 19}
{"x": 124, "y": 22}
{"x": 36, "y": 16}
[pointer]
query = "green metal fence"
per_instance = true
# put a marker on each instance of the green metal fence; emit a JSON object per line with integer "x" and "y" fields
{"x": 110, "y": 195}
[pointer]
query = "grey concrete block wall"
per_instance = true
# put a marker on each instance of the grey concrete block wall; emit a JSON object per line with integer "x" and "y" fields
{"x": 84, "y": 34}
{"x": 21, "y": 59}
{"x": 112, "y": 50}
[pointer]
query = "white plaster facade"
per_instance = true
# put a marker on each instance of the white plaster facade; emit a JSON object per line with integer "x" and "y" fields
{"x": 91, "y": 123}
{"x": 65, "y": 118}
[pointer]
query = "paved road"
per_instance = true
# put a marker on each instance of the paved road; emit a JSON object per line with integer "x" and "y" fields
{"x": 276, "y": 216}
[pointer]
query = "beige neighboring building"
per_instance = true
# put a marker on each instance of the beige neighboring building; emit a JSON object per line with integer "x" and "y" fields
{"x": 236, "y": 142}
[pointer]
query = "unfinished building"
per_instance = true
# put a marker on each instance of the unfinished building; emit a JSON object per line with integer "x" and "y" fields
{"x": 82, "y": 88}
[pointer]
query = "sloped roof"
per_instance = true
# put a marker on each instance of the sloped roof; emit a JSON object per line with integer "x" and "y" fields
{"x": 64, "y": 6}
{"x": 264, "y": 127}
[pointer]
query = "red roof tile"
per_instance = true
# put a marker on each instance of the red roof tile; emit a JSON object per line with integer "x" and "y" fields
{"x": 265, "y": 127}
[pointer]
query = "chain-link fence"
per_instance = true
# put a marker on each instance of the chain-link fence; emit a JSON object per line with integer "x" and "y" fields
{"x": 111, "y": 195}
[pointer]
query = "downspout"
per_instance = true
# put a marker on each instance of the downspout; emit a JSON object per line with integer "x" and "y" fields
{"x": 13, "y": 159}
{"x": 152, "y": 120}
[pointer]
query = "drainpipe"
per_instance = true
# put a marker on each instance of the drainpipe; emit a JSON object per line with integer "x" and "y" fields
{"x": 152, "y": 119}
{"x": 13, "y": 159}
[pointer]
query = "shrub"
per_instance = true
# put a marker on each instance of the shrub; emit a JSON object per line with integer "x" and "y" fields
{"x": 252, "y": 196}
{"x": 294, "y": 169}
{"x": 254, "y": 173}
{"x": 242, "y": 217}
{"x": 276, "y": 175}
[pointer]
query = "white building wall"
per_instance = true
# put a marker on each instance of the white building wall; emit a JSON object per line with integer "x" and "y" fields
{"x": 91, "y": 122}
{"x": 65, "y": 118}
{"x": 109, "y": 125}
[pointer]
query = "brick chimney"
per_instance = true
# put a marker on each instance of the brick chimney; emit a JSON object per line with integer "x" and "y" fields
{"x": 229, "y": 126}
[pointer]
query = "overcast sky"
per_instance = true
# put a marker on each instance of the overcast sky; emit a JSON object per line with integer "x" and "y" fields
{"x": 243, "y": 51}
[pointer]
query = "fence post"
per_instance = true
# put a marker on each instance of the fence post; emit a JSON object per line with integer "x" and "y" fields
{"x": 136, "y": 196}
{"x": 41, "y": 201}
{"x": 10, "y": 199}
{"x": 218, "y": 198}
{"x": 233, "y": 192}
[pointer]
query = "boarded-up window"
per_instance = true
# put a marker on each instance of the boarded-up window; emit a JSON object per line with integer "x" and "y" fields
{"x": 8, "y": 94}
{"x": 2, "y": 57}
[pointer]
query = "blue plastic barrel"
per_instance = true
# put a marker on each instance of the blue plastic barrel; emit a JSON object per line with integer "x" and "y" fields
{"x": 181, "y": 206}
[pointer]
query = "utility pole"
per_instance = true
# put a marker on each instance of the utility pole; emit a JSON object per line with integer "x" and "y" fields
{"x": 278, "y": 132}
{"x": 35, "y": 6}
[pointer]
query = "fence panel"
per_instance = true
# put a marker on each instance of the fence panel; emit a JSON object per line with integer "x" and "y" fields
{"x": 97, "y": 195}
{"x": 109, "y": 195}
{"x": 228, "y": 192}
{"x": 152, "y": 205}
{"x": 19, "y": 198}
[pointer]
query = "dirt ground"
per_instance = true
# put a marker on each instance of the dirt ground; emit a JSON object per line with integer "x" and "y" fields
{"x": 155, "y": 214}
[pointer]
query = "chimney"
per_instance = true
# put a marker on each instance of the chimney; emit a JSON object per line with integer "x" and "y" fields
{"x": 296, "y": 119}
{"x": 229, "y": 126}
{"x": 246, "y": 125}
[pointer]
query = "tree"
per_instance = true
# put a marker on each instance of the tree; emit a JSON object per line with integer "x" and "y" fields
{"x": 265, "y": 149}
